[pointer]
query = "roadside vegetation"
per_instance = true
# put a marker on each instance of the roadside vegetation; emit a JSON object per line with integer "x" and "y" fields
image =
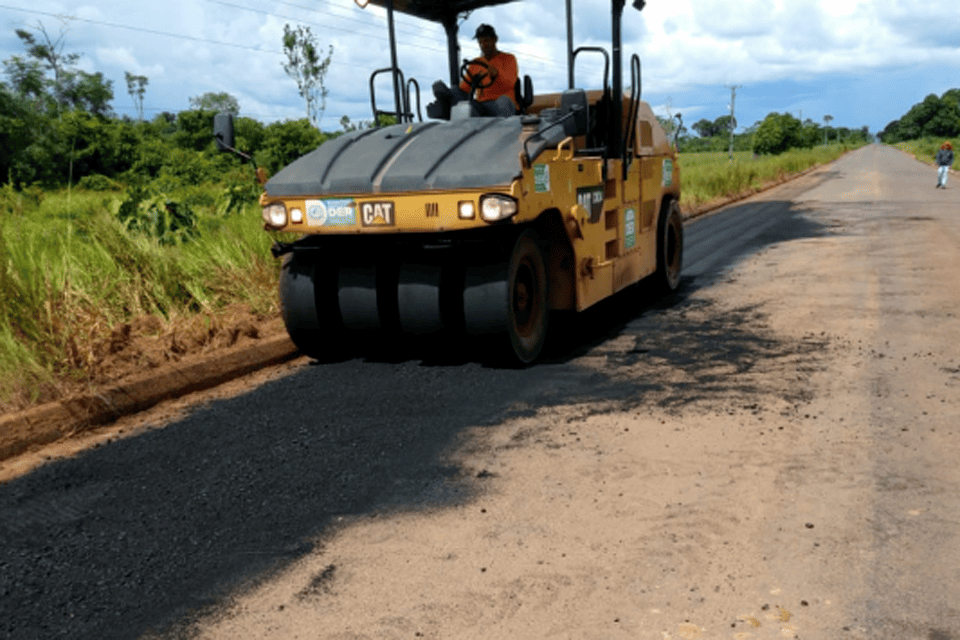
{"x": 931, "y": 118}
{"x": 709, "y": 177}
{"x": 926, "y": 149}
{"x": 718, "y": 163}
{"x": 926, "y": 126}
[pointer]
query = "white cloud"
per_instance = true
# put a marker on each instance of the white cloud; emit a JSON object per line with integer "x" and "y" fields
{"x": 684, "y": 44}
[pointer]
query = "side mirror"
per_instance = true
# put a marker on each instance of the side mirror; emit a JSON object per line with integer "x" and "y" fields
{"x": 639, "y": 4}
{"x": 223, "y": 135}
{"x": 223, "y": 131}
{"x": 574, "y": 101}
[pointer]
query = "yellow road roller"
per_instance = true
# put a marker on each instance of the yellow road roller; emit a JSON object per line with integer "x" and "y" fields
{"x": 472, "y": 224}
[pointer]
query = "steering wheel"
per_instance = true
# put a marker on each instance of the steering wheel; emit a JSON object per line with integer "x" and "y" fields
{"x": 479, "y": 78}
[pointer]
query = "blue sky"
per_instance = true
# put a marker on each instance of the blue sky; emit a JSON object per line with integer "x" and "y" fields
{"x": 864, "y": 62}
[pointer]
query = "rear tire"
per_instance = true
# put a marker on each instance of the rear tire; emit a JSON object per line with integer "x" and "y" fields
{"x": 669, "y": 248}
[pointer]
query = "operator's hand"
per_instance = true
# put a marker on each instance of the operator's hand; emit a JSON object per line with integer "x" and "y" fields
{"x": 487, "y": 69}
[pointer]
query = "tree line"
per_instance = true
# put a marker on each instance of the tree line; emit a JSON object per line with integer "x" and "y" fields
{"x": 57, "y": 125}
{"x": 776, "y": 133}
{"x": 933, "y": 117}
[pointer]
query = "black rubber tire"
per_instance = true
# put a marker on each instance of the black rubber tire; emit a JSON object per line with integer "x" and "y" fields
{"x": 528, "y": 289}
{"x": 669, "y": 248}
{"x": 305, "y": 320}
{"x": 510, "y": 298}
{"x": 418, "y": 298}
{"x": 357, "y": 297}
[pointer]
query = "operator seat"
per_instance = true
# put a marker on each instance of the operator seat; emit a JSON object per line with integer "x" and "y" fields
{"x": 525, "y": 96}
{"x": 443, "y": 109}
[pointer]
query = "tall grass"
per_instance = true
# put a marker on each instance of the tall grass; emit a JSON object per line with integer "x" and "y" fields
{"x": 70, "y": 271}
{"x": 710, "y": 176}
{"x": 926, "y": 149}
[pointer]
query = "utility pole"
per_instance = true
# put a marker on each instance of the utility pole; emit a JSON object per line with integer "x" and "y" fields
{"x": 733, "y": 120}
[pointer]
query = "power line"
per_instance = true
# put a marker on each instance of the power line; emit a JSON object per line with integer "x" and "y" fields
{"x": 342, "y": 17}
{"x": 345, "y": 30}
{"x": 141, "y": 29}
{"x": 229, "y": 44}
{"x": 298, "y": 20}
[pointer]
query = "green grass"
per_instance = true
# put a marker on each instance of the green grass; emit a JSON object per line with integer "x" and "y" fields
{"x": 709, "y": 176}
{"x": 70, "y": 272}
{"x": 926, "y": 149}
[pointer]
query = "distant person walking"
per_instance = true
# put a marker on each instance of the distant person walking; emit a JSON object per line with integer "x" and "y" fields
{"x": 944, "y": 161}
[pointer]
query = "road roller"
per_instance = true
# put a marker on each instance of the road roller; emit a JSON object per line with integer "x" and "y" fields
{"x": 474, "y": 225}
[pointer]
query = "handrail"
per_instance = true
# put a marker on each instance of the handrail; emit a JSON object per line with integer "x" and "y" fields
{"x": 413, "y": 81}
{"x": 566, "y": 141}
{"x": 405, "y": 114}
{"x": 630, "y": 141}
{"x": 606, "y": 65}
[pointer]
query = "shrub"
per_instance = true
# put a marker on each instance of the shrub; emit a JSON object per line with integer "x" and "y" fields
{"x": 155, "y": 215}
{"x": 97, "y": 182}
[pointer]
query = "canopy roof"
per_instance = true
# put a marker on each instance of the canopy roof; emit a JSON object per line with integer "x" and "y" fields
{"x": 437, "y": 10}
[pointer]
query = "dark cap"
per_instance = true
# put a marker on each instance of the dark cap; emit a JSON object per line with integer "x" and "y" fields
{"x": 485, "y": 31}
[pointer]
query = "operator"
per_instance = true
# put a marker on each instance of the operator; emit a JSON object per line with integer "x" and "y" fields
{"x": 493, "y": 66}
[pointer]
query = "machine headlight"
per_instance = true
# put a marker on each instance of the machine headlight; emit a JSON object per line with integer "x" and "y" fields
{"x": 495, "y": 206}
{"x": 296, "y": 216}
{"x": 275, "y": 215}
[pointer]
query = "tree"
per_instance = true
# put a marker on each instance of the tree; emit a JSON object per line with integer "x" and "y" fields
{"x": 89, "y": 92}
{"x": 69, "y": 87}
{"x": 136, "y": 87}
{"x": 945, "y": 122}
{"x": 826, "y": 123}
{"x": 704, "y": 128}
{"x": 18, "y": 127}
{"x": 722, "y": 126}
{"x": 194, "y": 130}
{"x": 809, "y": 134}
{"x": 284, "y": 142}
{"x": 932, "y": 117}
{"x": 221, "y": 102}
{"x": 49, "y": 53}
{"x": 26, "y": 79}
{"x": 307, "y": 68}
{"x": 348, "y": 125}
{"x": 777, "y": 133}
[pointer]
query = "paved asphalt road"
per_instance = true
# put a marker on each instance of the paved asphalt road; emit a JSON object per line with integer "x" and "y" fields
{"x": 146, "y": 532}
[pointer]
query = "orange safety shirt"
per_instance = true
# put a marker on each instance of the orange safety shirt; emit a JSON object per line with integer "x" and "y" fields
{"x": 506, "y": 66}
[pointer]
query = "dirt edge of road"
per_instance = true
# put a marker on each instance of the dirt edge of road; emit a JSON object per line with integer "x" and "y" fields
{"x": 65, "y": 418}
{"x": 39, "y": 426}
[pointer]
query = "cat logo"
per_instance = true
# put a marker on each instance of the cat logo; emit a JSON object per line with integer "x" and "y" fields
{"x": 377, "y": 214}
